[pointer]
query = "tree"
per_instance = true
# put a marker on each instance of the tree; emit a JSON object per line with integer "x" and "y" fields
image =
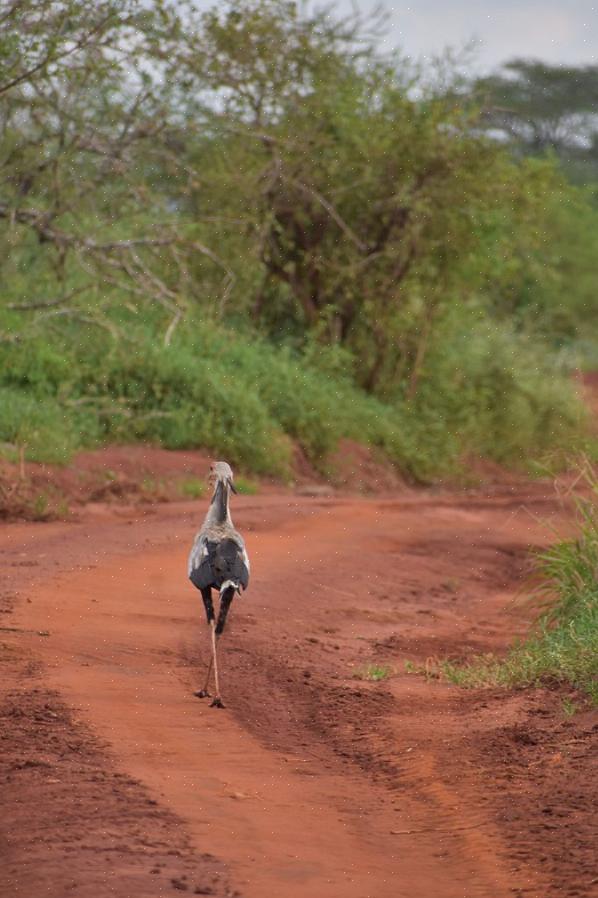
{"x": 541, "y": 108}
{"x": 257, "y": 162}
{"x": 83, "y": 130}
{"x": 357, "y": 202}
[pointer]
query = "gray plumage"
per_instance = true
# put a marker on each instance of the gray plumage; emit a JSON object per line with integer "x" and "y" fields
{"x": 218, "y": 560}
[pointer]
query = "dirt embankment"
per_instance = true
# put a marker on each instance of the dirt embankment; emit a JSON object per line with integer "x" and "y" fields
{"x": 316, "y": 780}
{"x": 145, "y": 475}
{"x": 142, "y": 475}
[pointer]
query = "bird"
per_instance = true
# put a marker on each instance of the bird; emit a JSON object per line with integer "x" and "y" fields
{"x": 218, "y": 560}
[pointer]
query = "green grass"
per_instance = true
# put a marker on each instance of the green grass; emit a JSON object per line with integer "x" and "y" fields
{"x": 244, "y": 398}
{"x": 563, "y": 646}
{"x": 192, "y": 488}
{"x": 246, "y": 487}
{"x": 373, "y": 672}
{"x": 40, "y": 426}
{"x": 569, "y": 707}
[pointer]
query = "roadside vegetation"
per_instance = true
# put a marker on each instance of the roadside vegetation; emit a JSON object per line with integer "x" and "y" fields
{"x": 246, "y": 400}
{"x": 248, "y": 227}
{"x": 563, "y": 646}
{"x": 373, "y": 672}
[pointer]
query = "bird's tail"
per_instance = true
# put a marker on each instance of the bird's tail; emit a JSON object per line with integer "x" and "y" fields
{"x": 231, "y": 584}
{"x": 227, "y": 594}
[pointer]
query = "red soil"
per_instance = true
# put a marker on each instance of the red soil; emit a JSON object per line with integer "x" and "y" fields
{"x": 116, "y": 474}
{"x": 141, "y": 475}
{"x": 313, "y": 781}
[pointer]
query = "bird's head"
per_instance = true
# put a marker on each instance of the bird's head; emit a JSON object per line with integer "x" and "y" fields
{"x": 221, "y": 472}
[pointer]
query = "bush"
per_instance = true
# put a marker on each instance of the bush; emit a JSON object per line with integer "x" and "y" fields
{"x": 497, "y": 394}
{"x": 39, "y": 428}
{"x": 486, "y": 392}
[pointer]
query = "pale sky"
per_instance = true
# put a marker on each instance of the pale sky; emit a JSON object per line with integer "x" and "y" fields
{"x": 557, "y": 31}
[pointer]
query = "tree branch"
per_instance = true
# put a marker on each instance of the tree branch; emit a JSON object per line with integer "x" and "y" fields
{"x": 46, "y": 304}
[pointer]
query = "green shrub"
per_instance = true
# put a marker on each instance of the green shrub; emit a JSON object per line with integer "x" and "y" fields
{"x": 483, "y": 391}
{"x": 495, "y": 393}
{"x": 43, "y": 430}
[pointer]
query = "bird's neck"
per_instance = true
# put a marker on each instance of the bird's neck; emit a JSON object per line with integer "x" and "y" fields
{"x": 218, "y": 512}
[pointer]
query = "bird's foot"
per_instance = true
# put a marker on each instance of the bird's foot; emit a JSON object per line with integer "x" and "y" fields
{"x": 202, "y": 693}
{"x": 217, "y": 702}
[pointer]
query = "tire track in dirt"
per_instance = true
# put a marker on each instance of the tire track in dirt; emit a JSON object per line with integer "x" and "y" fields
{"x": 311, "y": 782}
{"x": 280, "y": 831}
{"x": 73, "y": 824}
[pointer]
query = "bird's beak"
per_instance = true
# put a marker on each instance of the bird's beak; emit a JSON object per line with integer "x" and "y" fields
{"x": 232, "y": 486}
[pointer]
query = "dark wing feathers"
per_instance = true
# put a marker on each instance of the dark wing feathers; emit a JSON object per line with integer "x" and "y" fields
{"x": 212, "y": 563}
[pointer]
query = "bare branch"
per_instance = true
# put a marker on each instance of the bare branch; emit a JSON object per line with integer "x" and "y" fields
{"x": 334, "y": 214}
{"x": 171, "y": 327}
{"x": 76, "y": 314}
{"x": 46, "y": 304}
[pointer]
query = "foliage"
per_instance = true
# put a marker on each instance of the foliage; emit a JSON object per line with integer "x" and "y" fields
{"x": 192, "y": 488}
{"x": 234, "y": 227}
{"x": 496, "y": 391}
{"x": 564, "y": 644}
{"x": 373, "y": 672}
{"x": 542, "y": 277}
{"x": 83, "y": 133}
{"x": 39, "y": 427}
{"x": 542, "y": 107}
{"x": 362, "y": 212}
{"x": 246, "y": 487}
{"x": 243, "y": 398}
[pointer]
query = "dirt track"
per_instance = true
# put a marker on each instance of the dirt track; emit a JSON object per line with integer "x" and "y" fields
{"x": 312, "y": 782}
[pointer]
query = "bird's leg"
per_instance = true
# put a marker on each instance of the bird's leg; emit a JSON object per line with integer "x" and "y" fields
{"x": 204, "y": 693}
{"x": 206, "y": 595}
{"x": 226, "y": 598}
{"x": 216, "y": 701}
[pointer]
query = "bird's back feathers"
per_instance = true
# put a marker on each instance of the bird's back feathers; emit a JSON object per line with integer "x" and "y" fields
{"x": 219, "y": 563}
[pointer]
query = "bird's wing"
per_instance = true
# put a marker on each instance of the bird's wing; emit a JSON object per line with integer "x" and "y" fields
{"x": 245, "y": 557}
{"x": 213, "y": 562}
{"x": 231, "y": 563}
{"x": 200, "y": 562}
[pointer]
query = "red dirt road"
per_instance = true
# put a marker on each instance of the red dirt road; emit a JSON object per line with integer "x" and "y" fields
{"x": 313, "y": 782}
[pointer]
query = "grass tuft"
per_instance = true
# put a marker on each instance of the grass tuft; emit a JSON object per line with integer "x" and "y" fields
{"x": 192, "y": 488}
{"x": 246, "y": 487}
{"x": 563, "y": 646}
{"x": 373, "y": 672}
